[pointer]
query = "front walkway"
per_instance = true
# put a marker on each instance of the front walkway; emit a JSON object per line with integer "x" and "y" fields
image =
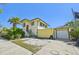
{"x": 9, "y": 48}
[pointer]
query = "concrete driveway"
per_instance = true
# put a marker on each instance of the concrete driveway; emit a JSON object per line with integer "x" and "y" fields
{"x": 49, "y": 47}
{"x": 58, "y": 48}
{"x": 53, "y": 47}
{"x": 9, "y": 48}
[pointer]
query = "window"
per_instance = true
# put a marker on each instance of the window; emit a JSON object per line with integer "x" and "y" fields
{"x": 41, "y": 24}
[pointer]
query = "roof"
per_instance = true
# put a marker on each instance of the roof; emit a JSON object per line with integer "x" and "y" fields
{"x": 25, "y": 20}
{"x": 39, "y": 19}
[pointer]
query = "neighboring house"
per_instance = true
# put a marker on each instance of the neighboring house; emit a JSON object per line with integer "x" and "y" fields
{"x": 32, "y": 27}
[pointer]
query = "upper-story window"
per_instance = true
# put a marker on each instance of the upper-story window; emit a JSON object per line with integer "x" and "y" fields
{"x": 32, "y": 23}
{"x": 41, "y": 24}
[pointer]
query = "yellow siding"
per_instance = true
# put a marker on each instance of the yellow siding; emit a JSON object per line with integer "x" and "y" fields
{"x": 45, "y": 33}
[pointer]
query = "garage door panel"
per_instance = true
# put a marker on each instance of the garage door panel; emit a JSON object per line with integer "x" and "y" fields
{"x": 62, "y": 34}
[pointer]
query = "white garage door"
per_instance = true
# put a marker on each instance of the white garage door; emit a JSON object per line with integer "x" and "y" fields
{"x": 62, "y": 34}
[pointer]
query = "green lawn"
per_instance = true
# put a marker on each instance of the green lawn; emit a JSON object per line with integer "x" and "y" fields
{"x": 30, "y": 47}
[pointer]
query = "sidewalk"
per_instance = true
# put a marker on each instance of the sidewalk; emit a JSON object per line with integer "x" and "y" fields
{"x": 9, "y": 48}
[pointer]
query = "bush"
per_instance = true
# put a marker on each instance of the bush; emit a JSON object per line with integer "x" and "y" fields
{"x": 13, "y": 33}
{"x": 19, "y": 33}
{"x": 75, "y": 33}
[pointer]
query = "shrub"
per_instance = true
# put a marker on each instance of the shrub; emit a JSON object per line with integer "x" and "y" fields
{"x": 13, "y": 33}
{"x": 75, "y": 33}
{"x": 18, "y": 33}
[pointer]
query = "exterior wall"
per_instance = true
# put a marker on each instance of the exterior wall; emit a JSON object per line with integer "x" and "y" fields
{"x": 26, "y": 25}
{"x": 45, "y": 33}
{"x": 36, "y": 27}
{"x": 34, "y": 30}
{"x": 40, "y": 27}
{"x": 24, "y": 29}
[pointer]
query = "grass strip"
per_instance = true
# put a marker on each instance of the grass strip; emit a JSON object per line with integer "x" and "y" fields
{"x": 30, "y": 47}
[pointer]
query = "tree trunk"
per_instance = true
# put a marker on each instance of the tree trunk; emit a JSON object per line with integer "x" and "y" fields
{"x": 14, "y": 25}
{"x": 24, "y": 28}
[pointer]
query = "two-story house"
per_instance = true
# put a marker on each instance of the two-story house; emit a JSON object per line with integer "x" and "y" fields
{"x": 32, "y": 26}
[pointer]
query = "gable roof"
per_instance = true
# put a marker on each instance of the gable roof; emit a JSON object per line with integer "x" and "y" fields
{"x": 25, "y": 20}
{"x": 40, "y": 20}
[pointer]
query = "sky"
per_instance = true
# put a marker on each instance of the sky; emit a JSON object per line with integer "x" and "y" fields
{"x": 55, "y": 14}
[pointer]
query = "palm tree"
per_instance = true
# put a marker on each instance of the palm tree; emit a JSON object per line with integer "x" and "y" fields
{"x": 69, "y": 24}
{"x": 1, "y": 10}
{"x": 72, "y": 23}
{"x": 14, "y": 21}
